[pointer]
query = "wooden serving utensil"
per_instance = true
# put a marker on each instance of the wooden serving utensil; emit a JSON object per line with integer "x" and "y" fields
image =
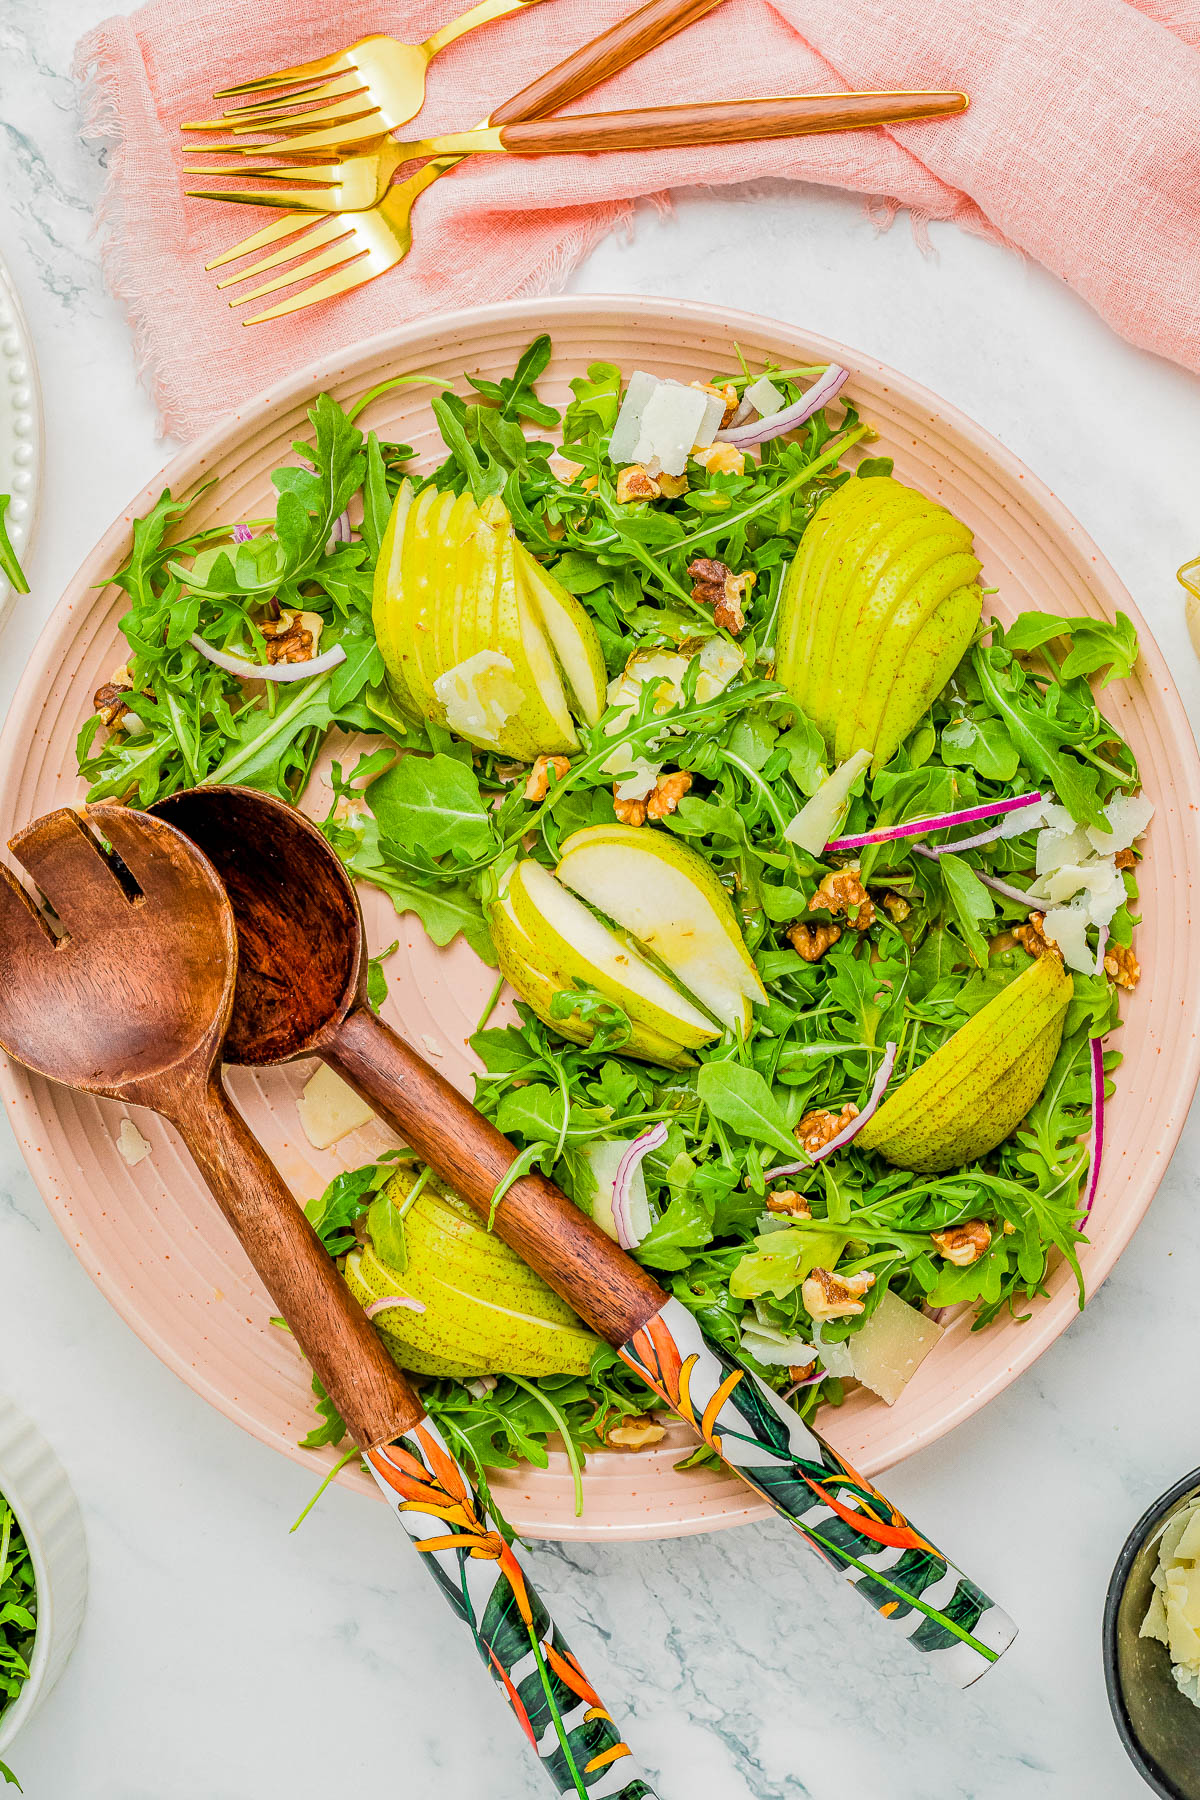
{"x": 302, "y": 992}
{"x": 126, "y": 991}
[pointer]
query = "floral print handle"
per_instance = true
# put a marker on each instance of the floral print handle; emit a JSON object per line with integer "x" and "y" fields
{"x": 900, "y": 1573}
{"x": 561, "y": 1714}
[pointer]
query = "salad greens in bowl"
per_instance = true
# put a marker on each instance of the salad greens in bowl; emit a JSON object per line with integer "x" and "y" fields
{"x": 802, "y": 834}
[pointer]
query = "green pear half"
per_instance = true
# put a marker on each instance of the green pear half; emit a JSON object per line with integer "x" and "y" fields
{"x": 978, "y": 1087}
{"x": 486, "y": 1312}
{"x": 878, "y": 608}
{"x": 387, "y": 603}
{"x": 571, "y": 632}
{"x": 668, "y": 896}
{"x": 571, "y": 941}
{"x": 532, "y": 976}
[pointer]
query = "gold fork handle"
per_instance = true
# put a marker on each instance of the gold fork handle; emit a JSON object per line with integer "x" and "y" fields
{"x": 722, "y": 122}
{"x": 629, "y": 39}
{"x": 483, "y": 14}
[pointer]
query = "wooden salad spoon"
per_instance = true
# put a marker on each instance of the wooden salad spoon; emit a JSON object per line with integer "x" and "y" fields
{"x": 126, "y": 990}
{"x": 301, "y": 991}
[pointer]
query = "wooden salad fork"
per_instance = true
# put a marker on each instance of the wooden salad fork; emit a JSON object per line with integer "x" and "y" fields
{"x": 373, "y": 86}
{"x": 309, "y": 186}
{"x": 126, "y": 991}
{"x": 302, "y": 992}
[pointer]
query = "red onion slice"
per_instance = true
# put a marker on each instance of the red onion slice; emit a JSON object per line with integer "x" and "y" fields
{"x": 242, "y": 534}
{"x": 809, "y": 1381}
{"x": 888, "y": 834}
{"x": 388, "y": 1300}
{"x": 882, "y": 1076}
{"x": 650, "y": 1139}
{"x": 1096, "y": 1048}
{"x": 760, "y": 431}
{"x": 246, "y": 670}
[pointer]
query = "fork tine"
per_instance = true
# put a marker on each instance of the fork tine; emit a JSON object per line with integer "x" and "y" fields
{"x": 287, "y": 226}
{"x": 286, "y": 198}
{"x": 334, "y": 226}
{"x": 71, "y": 869}
{"x": 314, "y": 175}
{"x": 320, "y": 65}
{"x": 345, "y": 112}
{"x": 148, "y": 847}
{"x": 351, "y": 81}
{"x": 24, "y": 929}
{"x": 344, "y": 250}
{"x": 354, "y": 275}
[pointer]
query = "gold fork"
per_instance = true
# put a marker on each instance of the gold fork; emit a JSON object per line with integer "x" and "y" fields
{"x": 358, "y": 246}
{"x": 370, "y": 88}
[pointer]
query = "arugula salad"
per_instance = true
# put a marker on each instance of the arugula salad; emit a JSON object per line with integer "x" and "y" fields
{"x": 814, "y": 881}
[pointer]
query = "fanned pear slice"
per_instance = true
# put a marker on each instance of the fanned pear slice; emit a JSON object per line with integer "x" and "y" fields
{"x": 572, "y": 636}
{"x": 573, "y": 942}
{"x": 454, "y": 577}
{"x": 667, "y": 895}
{"x": 486, "y": 1312}
{"x": 387, "y": 599}
{"x": 418, "y": 567}
{"x": 533, "y": 979}
{"x": 978, "y": 1087}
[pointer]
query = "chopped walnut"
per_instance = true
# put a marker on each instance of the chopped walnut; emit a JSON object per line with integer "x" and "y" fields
{"x": 672, "y": 485}
{"x": 1122, "y": 966}
{"x": 726, "y": 393}
{"x": 635, "y": 1434}
{"x": 666, "y": 794}
{"x": 1033, "y": 939}
{"x": 816, "y": 1129}
{"x": 812, "y": 941}
{"x": 629, "y": 812}
{"x": 538, "y": 785}
{"x": 292, "y": 637}
{"x": 1125, "y": 859}
{"x": 787, "y": 1200}
{"x": 896, "y": 907}
{"x": 714, "y": 584}
{"x": 830, "y": 1296}
{"x": 109, "y": 702}
{"x": 801, "y": 1371}
{"x": 636, "y": 483}
{"x": 1008, "y": 1229}
{"x": 721, "y": 459}
{"x": 843, "y": 892}
{"x": 963, "y": 1244}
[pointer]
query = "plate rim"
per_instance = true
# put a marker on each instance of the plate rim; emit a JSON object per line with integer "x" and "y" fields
{"x": 23, "y": 531}
{"x": 181, "y": 472}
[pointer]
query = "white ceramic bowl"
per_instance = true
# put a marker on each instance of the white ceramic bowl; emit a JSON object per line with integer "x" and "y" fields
{"x": 35, "y": 1484}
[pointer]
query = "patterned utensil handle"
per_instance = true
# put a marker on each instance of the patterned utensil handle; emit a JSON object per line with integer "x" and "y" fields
{"x": 762, "y": 1439}
{"x": 558, "y": 1709}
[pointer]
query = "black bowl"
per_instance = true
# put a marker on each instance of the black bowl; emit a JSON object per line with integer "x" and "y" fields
{"x": 1159, "y": 1726}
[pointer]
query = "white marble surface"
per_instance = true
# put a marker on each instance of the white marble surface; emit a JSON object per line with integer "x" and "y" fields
{"x": 223, "y": 1659}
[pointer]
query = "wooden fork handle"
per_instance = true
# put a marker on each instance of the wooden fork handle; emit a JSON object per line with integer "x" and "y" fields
{"x": 722, "y": 122}
{"x": 606, "y": 1288}
{"x": 329, "y": 1325}
{"x": 629, "y": 39}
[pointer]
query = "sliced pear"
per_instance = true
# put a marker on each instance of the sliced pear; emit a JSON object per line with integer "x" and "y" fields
{"x": 387, "y": 599}
{"x": 670, "y": 899}
{"x": 978, "y": 1087}
{"x": 455, "y": 611}
{"x": 529, "y": 974}
{"x": 573, "y": 942}
{"x": 544, "y": 719}
{"x": 486, "y": 1312}
{"x": 571, "y": 632}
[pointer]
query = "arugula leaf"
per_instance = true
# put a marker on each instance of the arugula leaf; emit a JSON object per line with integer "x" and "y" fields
{"x": 432, "y": 802}
{"x": 741, "y": 1099}
{"x": 1035, "y": 736}
{"x": 970, "y": 903}
{"x": 1095, "y": 643}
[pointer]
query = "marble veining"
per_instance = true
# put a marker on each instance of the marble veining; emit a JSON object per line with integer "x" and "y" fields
{"x": 224, "y": 1659}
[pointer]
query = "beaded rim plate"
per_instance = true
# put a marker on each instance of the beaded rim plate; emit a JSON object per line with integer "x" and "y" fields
{"x": 21, "y": 435}
{"x": 151, "y": 1237}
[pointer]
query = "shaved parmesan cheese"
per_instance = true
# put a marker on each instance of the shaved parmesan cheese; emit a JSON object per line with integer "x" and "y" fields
{"x": 640, "y": 780}
{"x": 772, "y": 1347}
{"x": 835, "y": 1357}
{"x": 1056, "y": 848}
{"x": 710, "y": 424}
{"x": 765, "y": 397}
{"x": 329, "y": 1108}
{"x": 891, "y": 1347}
{"x": 670, "y": 420}
{"x": 628, "y": 429}
{"x": 720, "y": 661}
{"x": 1067, "y": 926}
{"x": 1129, "y": 815}
{"x": 480, "y": 695}
{"x": 131, "y": 1144}
{"x": 818, "y": 819}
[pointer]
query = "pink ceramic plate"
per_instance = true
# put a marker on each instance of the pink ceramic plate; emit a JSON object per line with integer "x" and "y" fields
{"x": 150, "y": 1236}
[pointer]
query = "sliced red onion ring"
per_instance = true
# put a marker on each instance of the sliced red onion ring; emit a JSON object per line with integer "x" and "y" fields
{"x": 882, "y": 1076}
{"x": 339, "y": 531}
{"x": 650, "y": 1139}
{"x": 1097, "y": 1146}
{"x": 387, "y": 1300}
{"x": 809, "y": 1381}
{"x": 246, "y": 670}
{"x": 242, "y": 534}
{"x": 940, "y": 822}
{"x": 759, "y": 431}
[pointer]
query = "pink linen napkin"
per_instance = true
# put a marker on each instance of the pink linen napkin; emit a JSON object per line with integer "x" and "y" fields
{"x": 1081, "y": 148}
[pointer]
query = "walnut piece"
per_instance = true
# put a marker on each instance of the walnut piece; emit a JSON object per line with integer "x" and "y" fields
{"x": 637, "y": 1433}
{"x": 666, "y": 794}
{"x": 1122, "y": 966}
{"x": 629, "y": 812}
{"x": 829, "y": 1296}
{"x": 291, "y": 638}
{"x": 843, "y": 892}
{"x": 816, "y": 1129}
{"x": 787, "y": 1200}
{"x": 963, "y": 1244}
{"x": 538, "y": 785}
{"x": 812, "y": 941}
{"x": 672, "y": 485}
{"x": 896, "y": 907}
{"x": 801, "y": 1371}
{"x": 636, "y": 483}
{"x": 108, "y": 701}
{"x": 1125, "y": 859}
{"x": 1033, "y": 939}
{"x": 721, "y": 459}
{"x": 726, "y": 393}
{"x": 715, "y": 584}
